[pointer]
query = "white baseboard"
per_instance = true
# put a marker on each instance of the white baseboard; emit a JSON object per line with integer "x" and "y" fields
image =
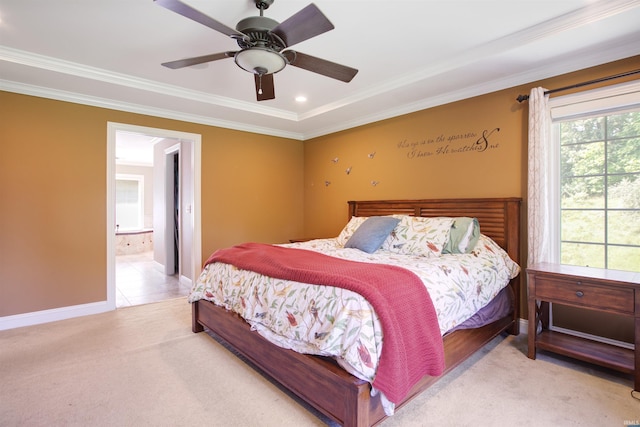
{"x": 52, "y": 315}
{"x": 591, "y": 337}
{"x": 524, "y": 325}
{"x": 184, "y": 280}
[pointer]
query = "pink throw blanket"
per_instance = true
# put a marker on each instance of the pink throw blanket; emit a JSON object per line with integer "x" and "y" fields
{"x": 412, "y": 344}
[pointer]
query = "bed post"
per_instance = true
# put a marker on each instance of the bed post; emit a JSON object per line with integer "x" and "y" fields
{"x": 352, "y": 209}
{"x": 195, "y": 325}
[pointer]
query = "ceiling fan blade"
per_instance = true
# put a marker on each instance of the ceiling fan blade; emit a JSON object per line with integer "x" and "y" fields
{"x": 307, "y": 23}
{"x": 195, "y": 15}
{"x": 181, "y": 63}
{"x": 320, "y": 66}
{"x": 264, "y": 87}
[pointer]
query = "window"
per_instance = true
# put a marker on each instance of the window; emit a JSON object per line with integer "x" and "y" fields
{"x": 129, "y": 202}
{"x": 597, "y": 135}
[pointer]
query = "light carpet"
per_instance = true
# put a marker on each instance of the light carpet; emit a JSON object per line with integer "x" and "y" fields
{"x": 143, "y": 366}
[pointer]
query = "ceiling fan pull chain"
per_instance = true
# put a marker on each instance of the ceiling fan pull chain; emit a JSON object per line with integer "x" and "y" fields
{"x": 260, "y": 71}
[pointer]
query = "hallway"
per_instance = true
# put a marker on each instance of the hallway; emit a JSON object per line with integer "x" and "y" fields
{"x": 139, "y": 280}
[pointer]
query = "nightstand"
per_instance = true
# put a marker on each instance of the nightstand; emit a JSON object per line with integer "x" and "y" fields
{"x": 610, "y": 291}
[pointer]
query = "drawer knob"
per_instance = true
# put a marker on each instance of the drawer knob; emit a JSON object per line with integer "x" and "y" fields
{"x": 579, "y": 294}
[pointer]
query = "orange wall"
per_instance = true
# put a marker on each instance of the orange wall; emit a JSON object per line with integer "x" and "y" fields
{"x": 53, "y": 196}
{"x": 463, "y": 149}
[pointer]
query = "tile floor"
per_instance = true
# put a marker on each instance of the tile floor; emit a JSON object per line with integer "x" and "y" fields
{"x": 139, "y": 280}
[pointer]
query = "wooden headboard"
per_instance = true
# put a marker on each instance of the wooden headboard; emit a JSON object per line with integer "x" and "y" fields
{"x": 499, "y": 217}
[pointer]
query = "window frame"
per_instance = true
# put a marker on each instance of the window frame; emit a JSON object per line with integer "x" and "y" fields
{"x": 605, "y": 101}
{"x": 140, "y": 180}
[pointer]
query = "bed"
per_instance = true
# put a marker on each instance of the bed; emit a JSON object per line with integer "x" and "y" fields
{"x": 324, "y": 384}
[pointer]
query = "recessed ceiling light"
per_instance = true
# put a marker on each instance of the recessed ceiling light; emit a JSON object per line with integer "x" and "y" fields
{"x": 301, "y": 98}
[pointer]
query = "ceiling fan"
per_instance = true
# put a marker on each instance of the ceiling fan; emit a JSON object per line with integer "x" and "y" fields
{"x": 262, "y": 42}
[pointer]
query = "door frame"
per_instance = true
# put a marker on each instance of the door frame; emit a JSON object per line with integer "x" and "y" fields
{"x": 195, "y": 202}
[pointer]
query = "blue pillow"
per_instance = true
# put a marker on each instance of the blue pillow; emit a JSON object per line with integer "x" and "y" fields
{"x": 372, "y": 233}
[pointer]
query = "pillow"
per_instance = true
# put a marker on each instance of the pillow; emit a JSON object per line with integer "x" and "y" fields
{"x": 463, "y": 237}
{"x": 349, "y": 229}
{"x": 419, "y": 235}
{"x": 372, "y": 233}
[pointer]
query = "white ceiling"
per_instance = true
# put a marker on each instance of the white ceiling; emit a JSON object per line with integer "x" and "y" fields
{"x": 411, "y": 55}
{"x": 135, "y": 149}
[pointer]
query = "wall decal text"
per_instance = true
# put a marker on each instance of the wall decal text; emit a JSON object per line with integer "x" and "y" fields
{"x": 468, "y": 142}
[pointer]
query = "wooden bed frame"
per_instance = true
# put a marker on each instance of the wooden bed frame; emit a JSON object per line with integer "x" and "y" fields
{"x": 320, "y": 381}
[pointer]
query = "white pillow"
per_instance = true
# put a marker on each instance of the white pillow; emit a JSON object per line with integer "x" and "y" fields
{"x": 349, "y": 229}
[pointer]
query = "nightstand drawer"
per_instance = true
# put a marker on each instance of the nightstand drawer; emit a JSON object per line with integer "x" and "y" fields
{"x": 583, "y": 293}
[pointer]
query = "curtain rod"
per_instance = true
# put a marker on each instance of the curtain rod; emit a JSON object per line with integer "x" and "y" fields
{"x": 521, "y": 98}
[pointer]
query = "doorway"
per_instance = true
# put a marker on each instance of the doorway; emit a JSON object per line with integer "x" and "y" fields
{"x": 172, "y": 220}
{"x": 168, "y": 269}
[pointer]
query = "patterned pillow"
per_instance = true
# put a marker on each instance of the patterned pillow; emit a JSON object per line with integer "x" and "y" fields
{"x": 372, "y": 233}
{"x": 419, "y": 235}
{"x": 349, "y": 229}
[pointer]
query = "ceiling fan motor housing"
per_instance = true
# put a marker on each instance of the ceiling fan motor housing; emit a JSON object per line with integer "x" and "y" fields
{"x": 258, "y": 29}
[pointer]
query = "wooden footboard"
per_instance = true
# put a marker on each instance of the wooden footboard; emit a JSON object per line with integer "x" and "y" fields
{"x": 320, "y": 381}
{"x": 317, "y": 380}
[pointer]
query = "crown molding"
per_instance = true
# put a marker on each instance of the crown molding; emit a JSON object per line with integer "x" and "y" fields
{"x": 77, "y": 98}
{"x": 579, "y": 61}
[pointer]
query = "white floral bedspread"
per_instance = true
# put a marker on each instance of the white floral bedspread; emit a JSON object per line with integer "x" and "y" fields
{"x": 339, "y": 323}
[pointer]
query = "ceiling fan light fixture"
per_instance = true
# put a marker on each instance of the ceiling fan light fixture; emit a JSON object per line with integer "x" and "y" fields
{"x": 258, "y": 60}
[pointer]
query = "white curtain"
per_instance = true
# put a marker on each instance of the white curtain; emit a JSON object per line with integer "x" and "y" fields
{"x": 538, "y": 190}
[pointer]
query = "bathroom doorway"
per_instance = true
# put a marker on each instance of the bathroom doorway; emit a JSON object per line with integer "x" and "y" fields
{"x": 158, "y": 256}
